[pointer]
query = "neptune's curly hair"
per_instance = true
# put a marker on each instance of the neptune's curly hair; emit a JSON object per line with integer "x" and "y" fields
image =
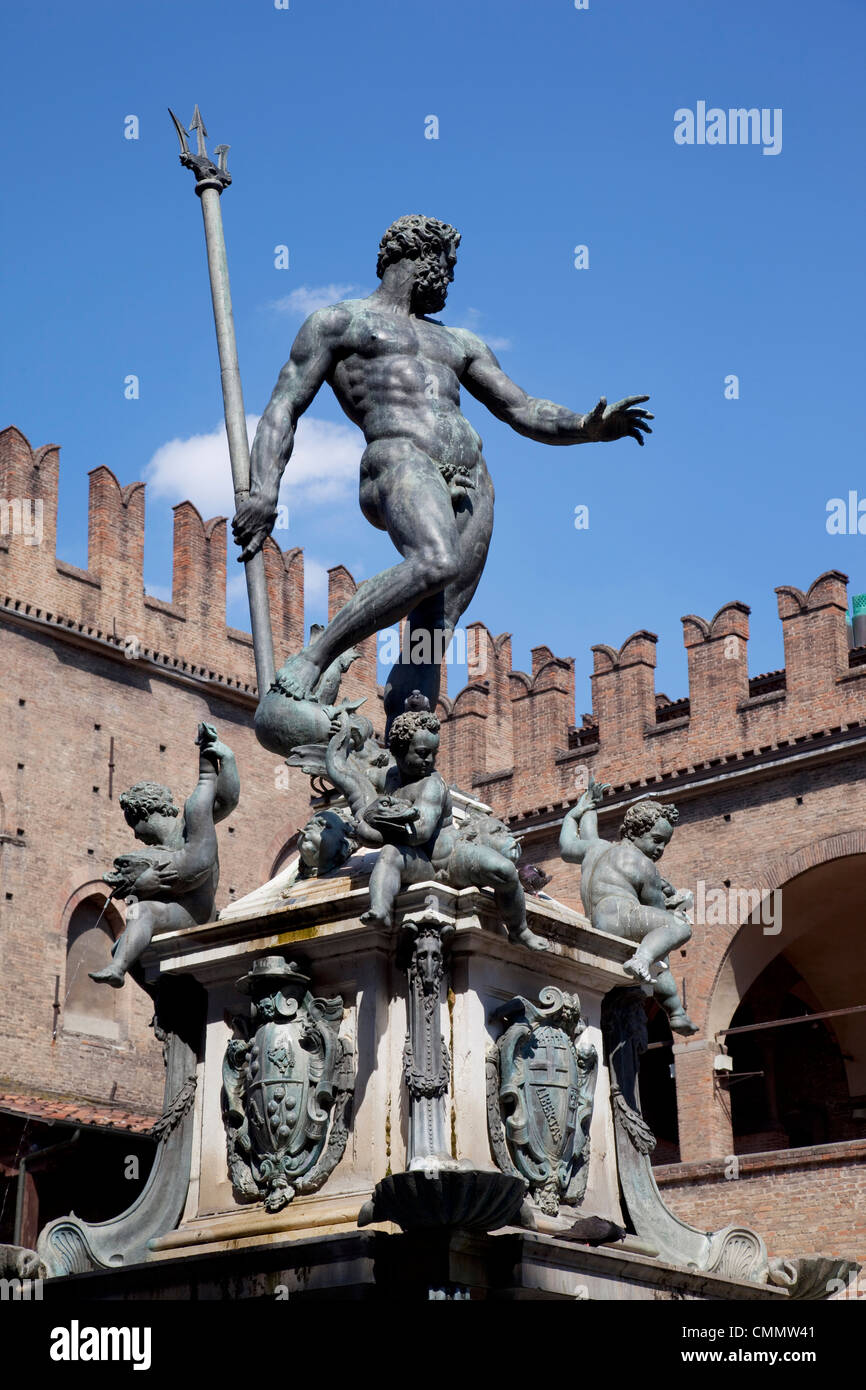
{"x": 413, "y": 236}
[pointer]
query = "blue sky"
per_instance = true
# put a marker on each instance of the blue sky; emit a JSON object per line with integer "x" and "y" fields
{"x": 555, "y": 129}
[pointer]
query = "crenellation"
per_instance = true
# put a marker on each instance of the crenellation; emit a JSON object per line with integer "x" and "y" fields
{"x": 623, "y": 691}
{"x": 115, "y": 540}
{"x": 540, "y": 657}
{"x": 199, "y": 571}
{"x": 464, "y": 736}
{"x": 815, "y": 635}
{"x": 718, "y": 669}
{"x": 493, "y": 660}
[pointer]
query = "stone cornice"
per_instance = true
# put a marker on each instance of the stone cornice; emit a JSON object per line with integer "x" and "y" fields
{"x": 79, "y": 633}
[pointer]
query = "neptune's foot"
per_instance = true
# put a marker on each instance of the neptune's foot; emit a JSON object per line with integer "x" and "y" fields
{"x": 298, "y": 677}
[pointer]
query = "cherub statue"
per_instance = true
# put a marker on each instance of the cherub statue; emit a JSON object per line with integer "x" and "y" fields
{"x": 409, "y": 819}
{"x": 174, "y": 884}
{"x": 624, "y": 894}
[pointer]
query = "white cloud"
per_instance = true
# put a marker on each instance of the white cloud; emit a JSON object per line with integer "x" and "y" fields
{"x": 307, "y": 298}
{"x": 323, "y": 467}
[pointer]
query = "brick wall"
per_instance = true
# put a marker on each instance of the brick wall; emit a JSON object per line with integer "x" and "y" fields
{"x": 814, "y": 1195}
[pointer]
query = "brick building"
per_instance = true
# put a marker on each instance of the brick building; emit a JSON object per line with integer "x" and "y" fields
{"x": 765, "y": 1124}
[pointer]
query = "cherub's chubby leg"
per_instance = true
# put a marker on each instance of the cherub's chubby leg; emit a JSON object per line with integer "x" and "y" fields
{"x": 394, "y": 867}
{"x": 661, "y": 932}
{"x": 142, "y": 920}
{"x": 657, "y": 930}
{"x": 668, "y": 996}
{"x": 490, "y": 869}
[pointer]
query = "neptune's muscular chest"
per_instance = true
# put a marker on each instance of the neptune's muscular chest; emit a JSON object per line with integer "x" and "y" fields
{"x": 392, "y": 355}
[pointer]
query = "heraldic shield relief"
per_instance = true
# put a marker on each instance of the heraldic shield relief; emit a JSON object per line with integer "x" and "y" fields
{"x": 286, "y": 1087}
{"x": 540, "y": 1087}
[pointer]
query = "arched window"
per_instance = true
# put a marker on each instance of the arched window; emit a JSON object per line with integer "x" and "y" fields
{"x": 88, "y": 1007}
{"x": 789, "y": 1005}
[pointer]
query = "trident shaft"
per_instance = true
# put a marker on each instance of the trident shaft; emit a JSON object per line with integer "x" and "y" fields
{"x": 211, "y": 179}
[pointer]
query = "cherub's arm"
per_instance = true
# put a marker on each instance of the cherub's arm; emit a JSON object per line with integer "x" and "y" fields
{"x": 542, "y": 420}
{"x": 677, "y": 899}
{"x": 228, "y": 783}
{"x": 651, "y": 888}
{"x": 429, "y": 805}
{"x": 580, "y": 826}
{"x": 215, "y": 796}
{"x": 218, "y": 790}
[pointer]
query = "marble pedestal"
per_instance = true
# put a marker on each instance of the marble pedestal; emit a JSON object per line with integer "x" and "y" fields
{"x": 191, "y": 1230}
{"x": 318, "y": 922}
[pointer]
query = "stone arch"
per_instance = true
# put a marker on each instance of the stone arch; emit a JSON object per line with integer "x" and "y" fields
{"x": 808, "y": 960}
{"x": 750, "y": 950}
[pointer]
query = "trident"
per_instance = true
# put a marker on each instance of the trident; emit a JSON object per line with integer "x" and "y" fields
{"x": 211, "y": 179}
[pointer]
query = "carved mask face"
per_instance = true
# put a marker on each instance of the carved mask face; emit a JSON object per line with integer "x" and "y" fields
{"x": 264, "y": 1010}
{"x": 502, "y": 839}
{"x": 281, "y": 1004}
{"x": 322, "y": 845}
{"x": 428, "y": 961}
{"x": 308, "y": 844}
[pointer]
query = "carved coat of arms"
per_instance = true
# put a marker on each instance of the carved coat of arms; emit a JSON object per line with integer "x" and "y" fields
{"x": 540, "y": 1087}
{"x": 287, "y": 1086}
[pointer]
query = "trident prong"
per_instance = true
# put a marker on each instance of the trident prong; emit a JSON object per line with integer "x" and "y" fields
{"x": 181, "y": 133}
{"x": 197, "y": 125}
{"x": 208, "y": 174}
